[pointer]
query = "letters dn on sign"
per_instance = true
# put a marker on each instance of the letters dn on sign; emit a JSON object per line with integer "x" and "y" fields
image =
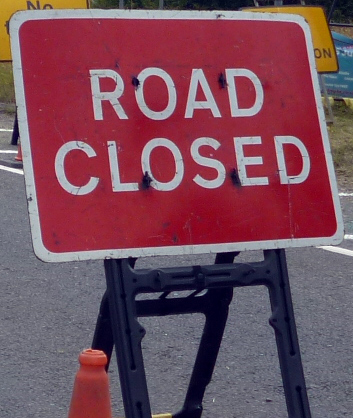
{"x": 191, "y": 147}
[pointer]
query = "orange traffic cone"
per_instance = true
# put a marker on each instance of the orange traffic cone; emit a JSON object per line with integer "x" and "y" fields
{"x": 19, "y": 153}
{"x": 91, "y": 397}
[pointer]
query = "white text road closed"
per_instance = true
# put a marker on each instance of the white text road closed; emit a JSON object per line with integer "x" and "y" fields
{"x": 217, "y": 180}
{"x": 197, "y": 145}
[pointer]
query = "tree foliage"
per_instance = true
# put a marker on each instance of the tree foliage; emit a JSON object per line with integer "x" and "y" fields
{"x": 343, "y": 10}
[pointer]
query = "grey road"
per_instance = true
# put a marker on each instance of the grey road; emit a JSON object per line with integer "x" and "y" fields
{"x": 48, "y": 314}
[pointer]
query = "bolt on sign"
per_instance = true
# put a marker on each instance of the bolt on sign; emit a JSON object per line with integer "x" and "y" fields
{"x": 324, "y": 48}
{"x": 163, "y": 133}
{"x": 9, "y": 7}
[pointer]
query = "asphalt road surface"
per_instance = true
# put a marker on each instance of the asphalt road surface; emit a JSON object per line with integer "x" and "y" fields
{"x": 48, "y": 314}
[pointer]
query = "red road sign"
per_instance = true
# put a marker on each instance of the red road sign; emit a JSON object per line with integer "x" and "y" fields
{"x": 148, "y": 133}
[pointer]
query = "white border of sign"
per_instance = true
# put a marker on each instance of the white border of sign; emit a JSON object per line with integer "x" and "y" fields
{"x": 19, "y": 18}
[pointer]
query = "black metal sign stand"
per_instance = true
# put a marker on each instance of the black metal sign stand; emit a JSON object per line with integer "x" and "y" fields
{"x": 212, "y": 291}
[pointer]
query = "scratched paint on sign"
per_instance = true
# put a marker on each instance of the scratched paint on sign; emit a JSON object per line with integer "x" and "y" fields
{"x": 175, "y": 149}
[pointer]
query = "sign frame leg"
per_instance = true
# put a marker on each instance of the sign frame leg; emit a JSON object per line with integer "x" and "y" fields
{"x": 118, "y": 323}
{"x": 15, "y": 133}
{"x": 282, "y": 321}
{"x": 127, "y": 334}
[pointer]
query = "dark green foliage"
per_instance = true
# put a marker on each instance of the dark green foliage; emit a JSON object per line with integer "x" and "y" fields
{"x": 343, "y": 10}
{"x": 105, "y": 4}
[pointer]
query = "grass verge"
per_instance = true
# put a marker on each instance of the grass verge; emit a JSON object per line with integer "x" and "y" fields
{"x": 7, "y": 92}
{"x": 341, "y": 138}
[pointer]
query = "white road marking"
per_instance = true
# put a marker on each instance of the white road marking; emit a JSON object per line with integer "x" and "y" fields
{"x": 11, "y": 170}
{"x": 345, "y": 194}
{"x": 348, "y": 236}
{"x": 6, "y": 130}
{"x": 8, "y": 151}
{"x": 337, "y": 250}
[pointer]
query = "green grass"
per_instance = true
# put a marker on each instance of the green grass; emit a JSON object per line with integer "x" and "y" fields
{"x": 7, "y": 93}
{"x": 341, "y": 138}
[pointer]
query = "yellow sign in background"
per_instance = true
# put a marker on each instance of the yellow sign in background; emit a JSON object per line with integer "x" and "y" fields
{"x": 9, "y": 7}
{"x": 324, "y": 48}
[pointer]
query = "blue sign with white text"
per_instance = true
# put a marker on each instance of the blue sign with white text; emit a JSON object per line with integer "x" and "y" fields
{"x": 340, "y": 85}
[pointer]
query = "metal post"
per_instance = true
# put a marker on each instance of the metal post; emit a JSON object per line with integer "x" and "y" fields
{"x": 331, "y": 118}
{"x": 333, "y": 7}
